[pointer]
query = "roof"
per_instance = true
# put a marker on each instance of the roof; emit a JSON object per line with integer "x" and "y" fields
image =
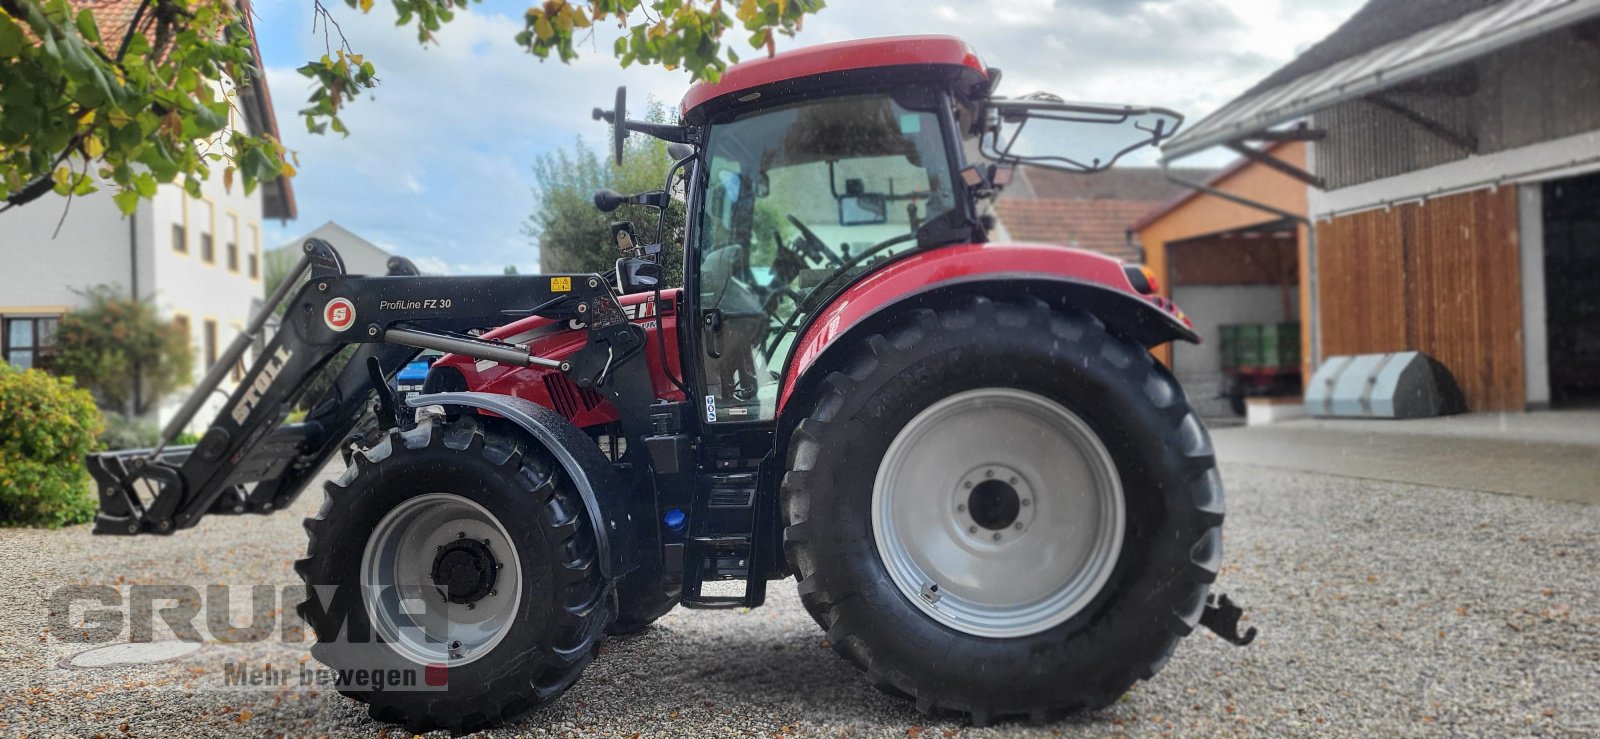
{"x": 1088, "y": 211}
{"x": 1096, "y": 225}
{"x": 112, "y": 19}
{"x": 1118, "y": 183}
{"x": 840, "y": 56}
{"x": 1386, "y": 43}
{"x": 360, "y": 256}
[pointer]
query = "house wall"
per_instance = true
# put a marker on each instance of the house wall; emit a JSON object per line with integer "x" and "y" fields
{"x": 45, "y": 270}
{"x": 1545, "y": 89}
{"x": 1440, "y": 276}
{"x": 188, "y": 284}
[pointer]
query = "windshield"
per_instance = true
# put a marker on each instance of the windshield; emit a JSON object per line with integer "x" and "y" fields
{"x": 798, "y": 198}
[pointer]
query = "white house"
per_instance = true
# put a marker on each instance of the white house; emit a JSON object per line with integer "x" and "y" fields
{"x": 198, "y": 260}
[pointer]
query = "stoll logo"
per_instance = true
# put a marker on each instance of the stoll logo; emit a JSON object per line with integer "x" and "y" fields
{"x": 340, "y": 314}
{"x": 264, "y": 380}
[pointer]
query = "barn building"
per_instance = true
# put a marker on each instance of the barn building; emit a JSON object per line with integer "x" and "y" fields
{"x": 1452, "y": 169}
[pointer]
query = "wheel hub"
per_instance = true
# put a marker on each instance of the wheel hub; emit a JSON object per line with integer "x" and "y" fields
{"x": 465, "y": 570}
{"x": 994, "y": 503}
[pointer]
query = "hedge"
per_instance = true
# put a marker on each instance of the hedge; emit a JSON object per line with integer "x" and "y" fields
{"x": 47, "y": 426}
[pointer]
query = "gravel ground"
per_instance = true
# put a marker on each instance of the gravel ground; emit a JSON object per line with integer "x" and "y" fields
{"x": 1385, "y": 609}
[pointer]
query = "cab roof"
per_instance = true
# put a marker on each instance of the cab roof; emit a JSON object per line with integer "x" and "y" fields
{"x": 842, "y": 56}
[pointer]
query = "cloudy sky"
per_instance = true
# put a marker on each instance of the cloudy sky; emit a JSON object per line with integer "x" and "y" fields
{"x": 439, "y": 163}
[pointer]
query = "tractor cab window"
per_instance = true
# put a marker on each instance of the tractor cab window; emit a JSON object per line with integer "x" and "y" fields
{"x": 799, "y": 199}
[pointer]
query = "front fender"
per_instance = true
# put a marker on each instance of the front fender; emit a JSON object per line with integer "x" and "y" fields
{"x": 604, "y": 495}
{"x": 1059, "y": 275}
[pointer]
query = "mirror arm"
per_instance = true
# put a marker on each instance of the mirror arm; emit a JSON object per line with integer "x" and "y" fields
{"x": 664, "y": 131}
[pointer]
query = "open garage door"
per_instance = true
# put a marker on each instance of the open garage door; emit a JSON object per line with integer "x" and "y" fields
{"x": 1241, "y": 278}
{"x": 1572, "y": 288}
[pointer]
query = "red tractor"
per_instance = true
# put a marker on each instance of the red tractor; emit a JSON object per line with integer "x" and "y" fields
{"x": 994, "y": 500}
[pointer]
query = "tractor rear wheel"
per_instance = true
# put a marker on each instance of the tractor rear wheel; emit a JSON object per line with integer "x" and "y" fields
{"x": 451, "y": 578}
{"x": 1001, "y": 509}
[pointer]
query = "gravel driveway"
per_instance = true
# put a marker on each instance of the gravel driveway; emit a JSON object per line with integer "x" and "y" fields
{"x": 1385, "y": 609}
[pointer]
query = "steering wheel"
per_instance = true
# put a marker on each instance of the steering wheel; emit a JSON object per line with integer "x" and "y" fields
{"x": 815, "y": 246}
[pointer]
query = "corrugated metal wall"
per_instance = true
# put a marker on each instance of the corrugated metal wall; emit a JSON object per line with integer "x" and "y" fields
{"x": 1441, "y": 277}
{"x": 1544, "y": 89}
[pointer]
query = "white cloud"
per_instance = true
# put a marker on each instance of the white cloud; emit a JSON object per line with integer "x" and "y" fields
{"x": 439, "y": 163}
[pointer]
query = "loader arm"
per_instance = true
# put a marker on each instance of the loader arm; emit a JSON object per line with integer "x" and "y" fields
{"x": 248, "y": 444}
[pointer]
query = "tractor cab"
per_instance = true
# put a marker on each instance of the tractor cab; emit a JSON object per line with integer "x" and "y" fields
{"x": 814, "y": 167}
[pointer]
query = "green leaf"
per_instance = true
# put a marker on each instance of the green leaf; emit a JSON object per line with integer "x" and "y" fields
{"x": 11, "y": 38}
{"x": 86, "y": 25}
{"x": 127, "y": 201}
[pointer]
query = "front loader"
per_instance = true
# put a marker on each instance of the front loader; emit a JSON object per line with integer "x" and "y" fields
{"x": 994, "y": 500}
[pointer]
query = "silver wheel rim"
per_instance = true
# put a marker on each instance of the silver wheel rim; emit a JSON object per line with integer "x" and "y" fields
{"x": 998, "y": 512}
{"x": 406, "y": 602}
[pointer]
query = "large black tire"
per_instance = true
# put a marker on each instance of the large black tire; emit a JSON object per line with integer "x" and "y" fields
{"x": 644, "y": 595}
{"x": 1172, "y": 538}
{"x": 554, "y": 629}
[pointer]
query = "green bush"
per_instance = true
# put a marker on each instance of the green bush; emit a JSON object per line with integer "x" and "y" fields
{"x": 46, "y": 427}
{"x": 116, "y": 344}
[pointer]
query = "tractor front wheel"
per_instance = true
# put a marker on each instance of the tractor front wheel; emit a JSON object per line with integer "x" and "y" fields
{"x": 451, "y": 578}
{"x": 1001, "y": 509}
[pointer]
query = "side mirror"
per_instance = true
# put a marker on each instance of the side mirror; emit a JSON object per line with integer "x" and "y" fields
{"x": 636, "y": 275}
{"x": 679, "y": 151}
{"x": 863, "y": 209}
{"x": 618, "y": 118}
{"x": 609, "y": 200}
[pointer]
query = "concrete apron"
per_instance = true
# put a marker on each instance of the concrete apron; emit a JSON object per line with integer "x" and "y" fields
{"x": 1551, "y": 454}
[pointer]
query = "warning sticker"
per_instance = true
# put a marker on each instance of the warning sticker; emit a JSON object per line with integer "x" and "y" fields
{"x": 561, "y": 284}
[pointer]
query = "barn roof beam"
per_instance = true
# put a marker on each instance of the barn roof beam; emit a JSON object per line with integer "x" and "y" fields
{"x": 1460, "y": 139}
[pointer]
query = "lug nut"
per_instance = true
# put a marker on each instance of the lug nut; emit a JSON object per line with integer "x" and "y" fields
{"x": 996, "y": 536}
{"x": 967, "y": 484}
{"x": 972, "y": 529}
{"x": 988, "y": 473}
{"x": 1026, "y": 502}
{"x": 961, "y": 508}
{"x": 1013, "y": 481}
{"x": 1017, "y": 527}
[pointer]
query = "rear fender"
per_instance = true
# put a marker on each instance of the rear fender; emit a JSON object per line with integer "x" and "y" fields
{"x": 606, "y": 497}
{"x": 1068, "y": 278}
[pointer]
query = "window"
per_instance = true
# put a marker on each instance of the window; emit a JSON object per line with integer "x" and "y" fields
{"x": 180, "y": 239}
{"x": 181, "y": 323}
{"x": 208, "y": 222}
{"x": 253, "y": 248}
{"x": 797, "y": 198}
{"x": 211, "y": 343}
{"x": 27, "y": 338}
{"x": 238, "y": 364}
{"x": 231, "y": 233}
